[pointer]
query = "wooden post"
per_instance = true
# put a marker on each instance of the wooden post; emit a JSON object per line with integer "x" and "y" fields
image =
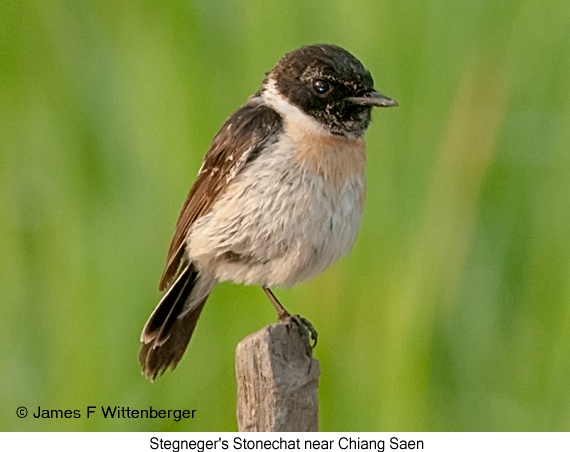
{"x": 277, "y": 381}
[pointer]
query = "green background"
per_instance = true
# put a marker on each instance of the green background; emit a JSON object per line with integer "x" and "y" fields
{"x": 451, "y": 313}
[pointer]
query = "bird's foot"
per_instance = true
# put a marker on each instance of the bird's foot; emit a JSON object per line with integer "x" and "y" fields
{"x": 306, "y": 328}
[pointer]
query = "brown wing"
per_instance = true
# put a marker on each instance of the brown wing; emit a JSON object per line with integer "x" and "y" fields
{"x": 242, "y": 137}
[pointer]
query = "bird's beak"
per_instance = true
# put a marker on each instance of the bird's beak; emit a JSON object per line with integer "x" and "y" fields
{"x": 374, "y": 99}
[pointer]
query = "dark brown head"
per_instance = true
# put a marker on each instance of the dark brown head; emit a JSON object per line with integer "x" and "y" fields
{"x": 329, "y": 84}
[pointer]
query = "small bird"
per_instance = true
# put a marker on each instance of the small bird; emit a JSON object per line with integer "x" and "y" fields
{"x": 278, "y": 198}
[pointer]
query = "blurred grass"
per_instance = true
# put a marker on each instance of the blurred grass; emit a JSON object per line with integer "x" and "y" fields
{"x": 452, "y": 312}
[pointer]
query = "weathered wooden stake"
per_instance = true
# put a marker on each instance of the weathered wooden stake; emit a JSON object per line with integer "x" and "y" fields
{"x": 277, "y": 381}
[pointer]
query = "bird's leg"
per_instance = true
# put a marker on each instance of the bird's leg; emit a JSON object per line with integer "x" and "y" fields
{"x": 282, "y": 313}
{"x": 284, "y": 316}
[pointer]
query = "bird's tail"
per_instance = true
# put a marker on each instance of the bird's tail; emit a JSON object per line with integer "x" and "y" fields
{"x": 170, "y": 326}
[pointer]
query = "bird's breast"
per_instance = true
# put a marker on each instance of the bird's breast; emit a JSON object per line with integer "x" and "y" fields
{"x": 335, "y": 158}
{"x": 287, "y": 216}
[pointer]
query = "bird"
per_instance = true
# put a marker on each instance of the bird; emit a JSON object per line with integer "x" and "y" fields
{"x": 278, "y": 198}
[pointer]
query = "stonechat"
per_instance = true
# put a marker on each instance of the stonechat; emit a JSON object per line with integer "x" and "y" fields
{"x": 278, "y": 198}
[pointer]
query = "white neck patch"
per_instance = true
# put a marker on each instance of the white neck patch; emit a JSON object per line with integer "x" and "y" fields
{"x": 291, "y": 113}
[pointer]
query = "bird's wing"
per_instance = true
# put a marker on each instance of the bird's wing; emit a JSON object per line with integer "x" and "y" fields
{"x": 240, "y": 140}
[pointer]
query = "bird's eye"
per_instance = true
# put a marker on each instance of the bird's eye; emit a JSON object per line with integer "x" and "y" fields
{"x": 321, "y": 86}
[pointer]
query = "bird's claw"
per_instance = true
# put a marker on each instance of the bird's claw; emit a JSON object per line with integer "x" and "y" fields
{"x": 306, "y": 328}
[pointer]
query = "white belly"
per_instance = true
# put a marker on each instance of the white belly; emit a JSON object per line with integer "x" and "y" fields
{"x": 277, "y": 227}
